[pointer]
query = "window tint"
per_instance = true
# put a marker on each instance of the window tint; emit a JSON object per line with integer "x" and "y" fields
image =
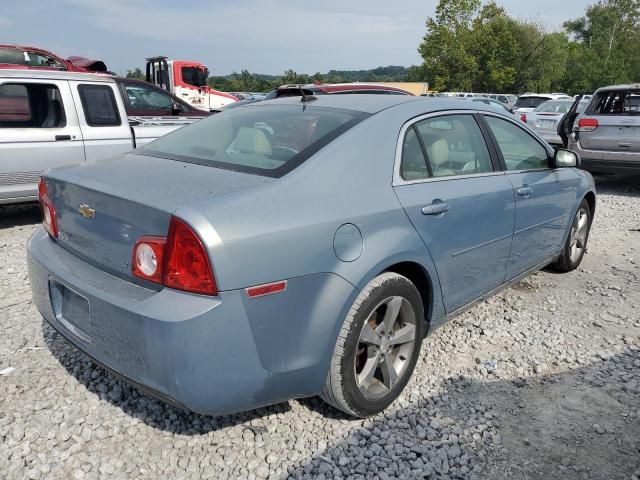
{"x": 454, "y": 146}
{"x": 263, "y": 139}
{"x": 99, "y": 105}
{"x": 13, "y": 56}
{"x": 194, "y": 76}
{"x": 413, "y": 165}
{"x": 31, "y": 105}
{"x": 519, "y": 149}
{"x": 529, "y": 102}
{"x": 145, "y": 98}
{"x": 621, "y": 102}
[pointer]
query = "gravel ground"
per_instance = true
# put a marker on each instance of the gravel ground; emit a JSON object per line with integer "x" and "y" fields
{"x": 541, "y": 381}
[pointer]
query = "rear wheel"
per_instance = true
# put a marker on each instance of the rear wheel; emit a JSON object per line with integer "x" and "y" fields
{"x": 377, "y": 347}
{"x": 576, "y": 244}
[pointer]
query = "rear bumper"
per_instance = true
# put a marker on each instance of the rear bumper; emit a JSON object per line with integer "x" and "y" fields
{"x": 605, "y": 161}
{"x": 211, "y": 355}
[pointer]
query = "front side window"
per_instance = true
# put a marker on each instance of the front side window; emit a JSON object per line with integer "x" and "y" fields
{"x": 31, "y": 105}
{"x": 144, "y": 98}
{"x": 262, "y": 139}
{"x": 519, "y": 149}
{"x": 99, "y": 105}
{"x": 453, "y": 144}
{"x": 194, "y": 76}
{"x": 40, "y": 60}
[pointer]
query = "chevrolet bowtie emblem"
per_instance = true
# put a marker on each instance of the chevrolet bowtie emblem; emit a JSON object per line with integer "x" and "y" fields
{"x": 86, "y": 211}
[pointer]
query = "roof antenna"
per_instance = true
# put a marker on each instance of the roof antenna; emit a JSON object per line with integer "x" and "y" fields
{"x": 306, "y": 98}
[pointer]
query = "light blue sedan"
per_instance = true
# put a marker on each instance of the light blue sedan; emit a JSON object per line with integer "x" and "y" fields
{"x": 301, "y": 246}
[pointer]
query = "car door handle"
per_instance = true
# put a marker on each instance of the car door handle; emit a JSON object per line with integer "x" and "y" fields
{"x": 524, "y": 191}
{"x": 62, "y": 137}
{"x": 435, "y": 208}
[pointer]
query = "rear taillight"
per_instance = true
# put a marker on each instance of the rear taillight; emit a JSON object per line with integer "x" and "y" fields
{"x": 187, "y": 266}
{"x": 49, "y": 220}
{"x": 148, "y": 257}
{"x": 523, "y": 117}
{"x": 177, "y": 261}
{"x": 587, "y": 124}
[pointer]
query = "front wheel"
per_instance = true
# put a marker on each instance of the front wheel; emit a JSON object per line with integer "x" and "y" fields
{"x": 377, "y": 348}
{"x": 576, "y": 244}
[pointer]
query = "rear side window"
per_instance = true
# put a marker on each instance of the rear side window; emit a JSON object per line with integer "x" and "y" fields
{"x": 263, "y": 139}
{"x": 31, "y": 105}
{"x": 619, "y": 102}
{"x": 99, "y": 105}
{"x": 453, "y": 144}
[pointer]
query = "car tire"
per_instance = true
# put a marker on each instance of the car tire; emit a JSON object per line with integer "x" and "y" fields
{"x": 377, "y": 347}
{"x": 576, "y": 244}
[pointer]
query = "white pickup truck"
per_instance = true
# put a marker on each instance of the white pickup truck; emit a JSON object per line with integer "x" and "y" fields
{"x": 52, "y": 119}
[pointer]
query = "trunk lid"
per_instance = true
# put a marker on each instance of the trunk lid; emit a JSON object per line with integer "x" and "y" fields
{"x": 104, "y": 207}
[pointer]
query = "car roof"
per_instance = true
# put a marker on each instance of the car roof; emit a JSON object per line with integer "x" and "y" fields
{"x": 55, "y": 75}
{"x": 372, "y": 103}
{"x": 628, "y": 86}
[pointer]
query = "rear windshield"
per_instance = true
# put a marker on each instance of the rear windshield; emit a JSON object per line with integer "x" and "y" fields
{"x": 554, "y": 106}
{"x": 529, "y": 102}
{"x": 616, "y": 102}
{"x": 268, "y": 140}
{"x": 12, "y": 55}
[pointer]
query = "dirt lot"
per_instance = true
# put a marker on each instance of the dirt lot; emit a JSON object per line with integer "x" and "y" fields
{"x": 542, "y": 381}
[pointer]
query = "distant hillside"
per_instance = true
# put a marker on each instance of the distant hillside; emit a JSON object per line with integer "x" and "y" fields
{"x": 256, "y": 82}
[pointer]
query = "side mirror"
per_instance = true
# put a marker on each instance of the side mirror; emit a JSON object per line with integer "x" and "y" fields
{"x": 565, "y": 158}
{"x": 176, "y": 109}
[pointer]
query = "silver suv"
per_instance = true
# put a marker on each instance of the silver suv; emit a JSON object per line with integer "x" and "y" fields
{"x": 607, "y": 134}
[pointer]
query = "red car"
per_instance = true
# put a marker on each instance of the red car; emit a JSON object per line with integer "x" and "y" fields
{"x": 334, "y": 88}
{"x": 19, "y": 57}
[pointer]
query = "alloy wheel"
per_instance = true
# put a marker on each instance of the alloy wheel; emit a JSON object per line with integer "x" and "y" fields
{"x": 385, "y": 347}
{"x": 579, "y": 231}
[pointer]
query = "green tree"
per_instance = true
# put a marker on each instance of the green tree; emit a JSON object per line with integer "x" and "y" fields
{"x": 608, "y": 41}
{"x": 137, "y": 74}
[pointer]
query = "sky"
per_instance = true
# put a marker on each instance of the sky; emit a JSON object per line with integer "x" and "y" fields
{"x": 265, "y": 36}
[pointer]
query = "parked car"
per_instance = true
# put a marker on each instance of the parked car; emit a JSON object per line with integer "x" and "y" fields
{"x": 295, "y": 247}
{"x": 508, "y": 99}
{"x": 497, "y": 104}
{"x": 529, "y": 101}
{"x": 23, "y": 57}
{"x": 545, "y": 117}
{"x": 50, "y": 119}
{"x": 141, "y": 99}
{"x": 607, "y": 134}
{"x": 334, "y": 88}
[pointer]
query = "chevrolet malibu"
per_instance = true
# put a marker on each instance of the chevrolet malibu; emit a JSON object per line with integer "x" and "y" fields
{"x": 301, "y": 246}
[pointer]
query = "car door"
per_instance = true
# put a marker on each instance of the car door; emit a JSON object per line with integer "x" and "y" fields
{"x": 38, "y": 130}
{"x": 458, "y": 201}
{"x": 104, "y": 130}
{"x": 544, "y": 195}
